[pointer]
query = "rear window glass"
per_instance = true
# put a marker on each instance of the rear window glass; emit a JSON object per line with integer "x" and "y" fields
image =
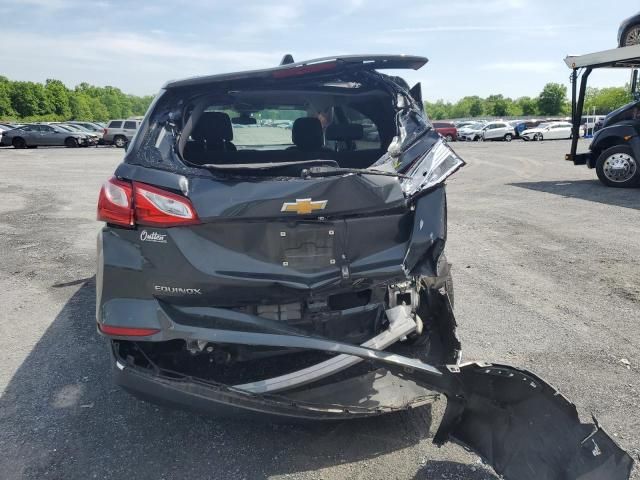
{"x": 265, "y": 128}
{"x": 370, "y": 134}
{"x": 115, "y": 124}
{"x": 130, "y": 125}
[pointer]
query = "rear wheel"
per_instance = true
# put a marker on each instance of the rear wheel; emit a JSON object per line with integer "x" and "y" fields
{"x": 508, "y": 137}
{"x": 617, "y": 167}
{"x": 71, "y": 142}
{"x": 448, "y": 137}
{"x": 19, "y": 142}
{"x": 119, "y": 141}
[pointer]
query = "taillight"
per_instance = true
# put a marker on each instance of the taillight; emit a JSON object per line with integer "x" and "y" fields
{"x": 160, "y": 208}
{"x": 115, "y": 202}
{"x": 126, "y": 331}
{"x": 104, "y": 131}
{"x": 127, "y": 204}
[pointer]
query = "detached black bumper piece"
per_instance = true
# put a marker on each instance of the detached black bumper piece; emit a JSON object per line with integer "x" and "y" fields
{"x": 523, "y": 427}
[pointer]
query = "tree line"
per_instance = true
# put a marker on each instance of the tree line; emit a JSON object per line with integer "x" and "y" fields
{"x": 53, "y": 101}
{"x": 552, "y": 101}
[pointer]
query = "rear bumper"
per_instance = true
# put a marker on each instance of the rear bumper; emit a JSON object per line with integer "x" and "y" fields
{"x": 499, "y": 412}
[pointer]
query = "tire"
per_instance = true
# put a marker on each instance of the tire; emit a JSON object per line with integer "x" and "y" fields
{"x": 508, "y": 137}
{"x": 449, "y": 137}
{"x": 617, "y": 167}
{"x": 71, "y": 142}
{"x": 119, "y": 141}
{"x": 479, "y": 138}
{"x": 631, "y": 36}
{"x": 19, "y": 142}
{"x": 538, "y": 137}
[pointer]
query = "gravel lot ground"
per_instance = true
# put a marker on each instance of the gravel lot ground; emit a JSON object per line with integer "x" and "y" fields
{"x": 546, "y": 272}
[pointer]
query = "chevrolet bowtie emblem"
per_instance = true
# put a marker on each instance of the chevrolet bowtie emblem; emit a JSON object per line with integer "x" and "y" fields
{"x": 303, "y": 206}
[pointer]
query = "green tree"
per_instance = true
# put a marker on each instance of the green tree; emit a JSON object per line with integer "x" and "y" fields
{"x": 606, "y": 100}
{"x": 553, "y": 99}
{"x": 99, "y": 111}
{"x": 477, "y": 107}
{"x": 80, "y": 105}
{"x": 28, "y": 99}
{"x": 438, "y": 110}
{"x": 57, "y": 98}
{"x": 527, "y": 105}
{"x": 6, "y": 110}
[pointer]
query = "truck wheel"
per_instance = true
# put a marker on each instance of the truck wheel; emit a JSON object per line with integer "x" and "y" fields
{"x": 631, "y": 36}
{"x": 617, "y": 167}
{"x": 449, "y": 137}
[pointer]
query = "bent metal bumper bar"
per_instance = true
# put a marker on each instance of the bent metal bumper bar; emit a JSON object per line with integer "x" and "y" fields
{"x": 522, "y": 426}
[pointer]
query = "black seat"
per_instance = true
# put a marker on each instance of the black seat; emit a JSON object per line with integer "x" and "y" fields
{"x": 214, "y": 132}
{"x": 307, "y": 134}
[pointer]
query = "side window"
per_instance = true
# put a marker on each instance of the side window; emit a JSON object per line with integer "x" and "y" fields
{"x": 46, "y": 128}
{"x": 28, "y": 128}
{"x": 130, "y": 125}
{"x": 115, "y": 124}
{"x": 370, "y": 135}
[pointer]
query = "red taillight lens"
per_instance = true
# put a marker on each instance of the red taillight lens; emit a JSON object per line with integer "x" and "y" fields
{"x": 160, "y": 208}
{"x": 104, "y": 131}
{"x": 126, "y": 331}
{"x": 115, "y": 203}
{"x": 126, "y": 204}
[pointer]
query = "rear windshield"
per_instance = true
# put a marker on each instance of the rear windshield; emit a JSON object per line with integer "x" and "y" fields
{"x": 348, "y": 124}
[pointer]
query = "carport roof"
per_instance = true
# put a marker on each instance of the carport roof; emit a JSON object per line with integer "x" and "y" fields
{"x": 624, "y": 57}
{"x": 368, "y": 62}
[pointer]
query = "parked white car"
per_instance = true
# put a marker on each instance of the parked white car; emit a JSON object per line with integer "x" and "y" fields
{"x": 472, "y": 132}
{"x": 498, "y": 131}
{"x": 548, "y": 131}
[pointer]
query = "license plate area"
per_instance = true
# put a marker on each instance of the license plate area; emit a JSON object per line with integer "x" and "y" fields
{"x": 308, "y": 246}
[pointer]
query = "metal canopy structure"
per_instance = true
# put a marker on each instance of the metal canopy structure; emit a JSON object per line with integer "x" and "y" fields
{"x": 624, "y": 57}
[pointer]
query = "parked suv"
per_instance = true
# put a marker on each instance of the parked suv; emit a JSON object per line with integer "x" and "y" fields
{"x": 498, "y": 131}
{"x": 253, "y": 269}
{"x": 447, "y": 130}
{"x": 119, "y": 132}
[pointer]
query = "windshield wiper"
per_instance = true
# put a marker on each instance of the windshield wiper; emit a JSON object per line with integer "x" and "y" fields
{"x": 333, "y": 171}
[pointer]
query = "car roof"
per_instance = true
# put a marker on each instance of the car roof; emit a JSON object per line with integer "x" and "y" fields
{"x": 317, "y": 65}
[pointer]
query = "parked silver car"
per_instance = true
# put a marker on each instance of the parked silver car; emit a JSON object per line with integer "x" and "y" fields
{"x": 94, "y": 128}
{"x": 119, "y": 132}
{"x": 40, "y": 134}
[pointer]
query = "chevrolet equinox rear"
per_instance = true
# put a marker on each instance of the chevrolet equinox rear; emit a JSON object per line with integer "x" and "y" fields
{"x": 271, "y": 232}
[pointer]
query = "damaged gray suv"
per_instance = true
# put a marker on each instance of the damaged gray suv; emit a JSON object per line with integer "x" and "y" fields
{"x": 300, "y": 272}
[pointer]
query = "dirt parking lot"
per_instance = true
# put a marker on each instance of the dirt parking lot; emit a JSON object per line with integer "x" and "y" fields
{"x": 545, "y": 263}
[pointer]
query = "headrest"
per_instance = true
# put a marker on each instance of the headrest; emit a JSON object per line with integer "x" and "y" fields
{"x": 213, "y": 127}
{"x": 307, "y": 134}
{"x": 344, "y": 131}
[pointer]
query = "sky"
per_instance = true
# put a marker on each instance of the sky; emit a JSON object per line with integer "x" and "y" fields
{"x": 475, "y": 47}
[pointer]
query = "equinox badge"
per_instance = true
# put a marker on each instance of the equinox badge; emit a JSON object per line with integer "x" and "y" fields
{"x": 303, "y": 205}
